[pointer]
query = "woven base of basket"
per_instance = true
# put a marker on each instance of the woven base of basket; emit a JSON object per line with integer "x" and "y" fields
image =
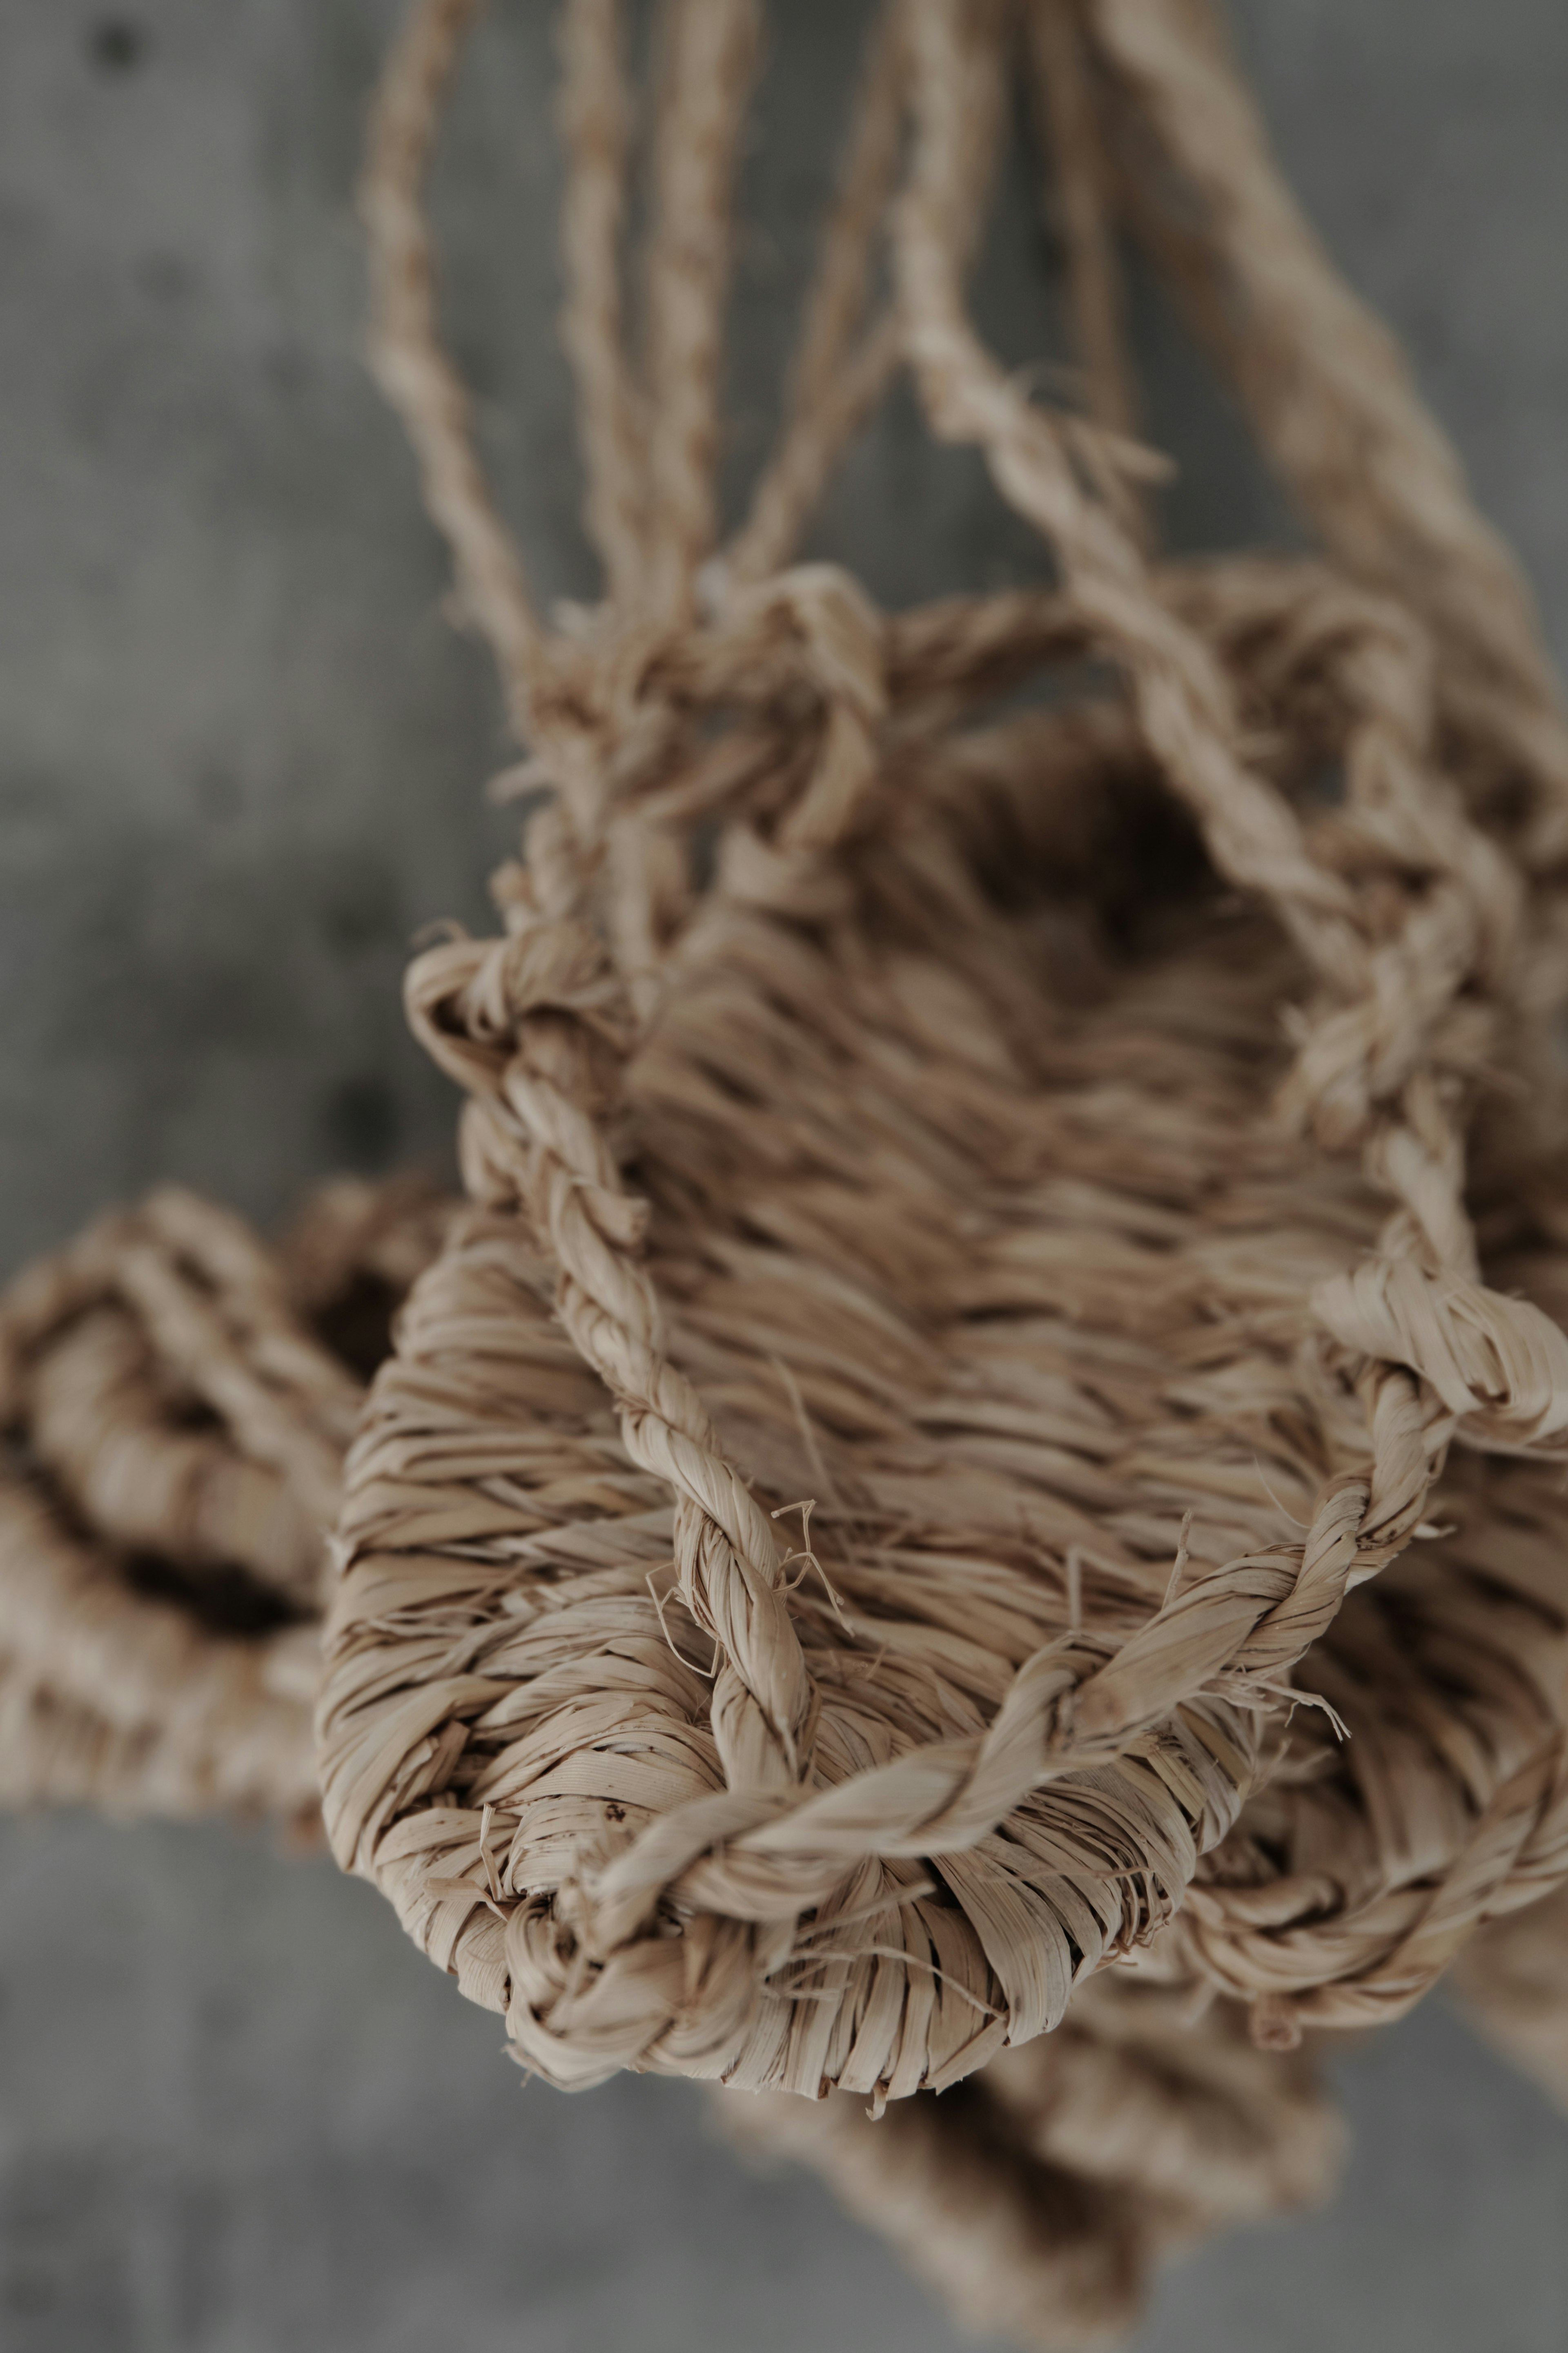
{"x": 1036, "y": 2197}
{"x": 175, "y": 1403}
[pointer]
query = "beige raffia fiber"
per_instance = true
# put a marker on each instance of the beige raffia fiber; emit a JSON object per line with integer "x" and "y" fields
{"x": 982, "y": 1214}
{"x": 176, "y": 1400}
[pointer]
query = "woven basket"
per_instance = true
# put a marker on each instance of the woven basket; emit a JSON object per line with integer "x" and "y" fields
{"x": 974, "y": 1257}
{"x": 175, "y": 1404}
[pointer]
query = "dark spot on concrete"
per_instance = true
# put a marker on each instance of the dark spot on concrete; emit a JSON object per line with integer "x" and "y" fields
{"x": 219, "y": 793}
{"x": 28, "y": 2294}
{"x": 117, "y": 45}
{"x": 287, "y": 371}
{"x": 167, "y": 277}
{"x": 359, "y": 908}
{"x": 360, "y": 1123}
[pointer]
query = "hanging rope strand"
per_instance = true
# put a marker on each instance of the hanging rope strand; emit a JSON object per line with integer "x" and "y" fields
{"x": 710, "y": 50}
{"x": 406, "y": 352}
{"x": 596, "y": 116}
{"x": 1082, "y": 210}
{"x": 843, "y": 364}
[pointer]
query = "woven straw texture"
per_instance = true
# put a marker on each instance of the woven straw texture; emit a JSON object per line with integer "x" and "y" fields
{"x": 981, "y": 1209}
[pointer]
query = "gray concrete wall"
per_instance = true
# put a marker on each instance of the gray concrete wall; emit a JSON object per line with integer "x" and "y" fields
{"x": 240, "y": 760}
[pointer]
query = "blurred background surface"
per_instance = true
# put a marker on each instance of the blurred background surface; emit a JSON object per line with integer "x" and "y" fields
{"x": 241, "y": 754}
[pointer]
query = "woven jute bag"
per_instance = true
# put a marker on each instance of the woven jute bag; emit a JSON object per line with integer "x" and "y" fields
{"x": 974, "y": 1255}
{"x": 175, "y": 1402}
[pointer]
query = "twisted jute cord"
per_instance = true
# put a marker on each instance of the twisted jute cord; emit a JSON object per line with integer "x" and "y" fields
{"x": 709, "y": 56}
{"x": 405, "y": 352}
{"x": 1352, "y": 1879}
{"x": 534, "y": 1026}
{"x": 112, "y": 1692}
{"x": 850, "y": 348}
{"x": 728, "y": 1554}
{"x": 1183, "y": 699}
